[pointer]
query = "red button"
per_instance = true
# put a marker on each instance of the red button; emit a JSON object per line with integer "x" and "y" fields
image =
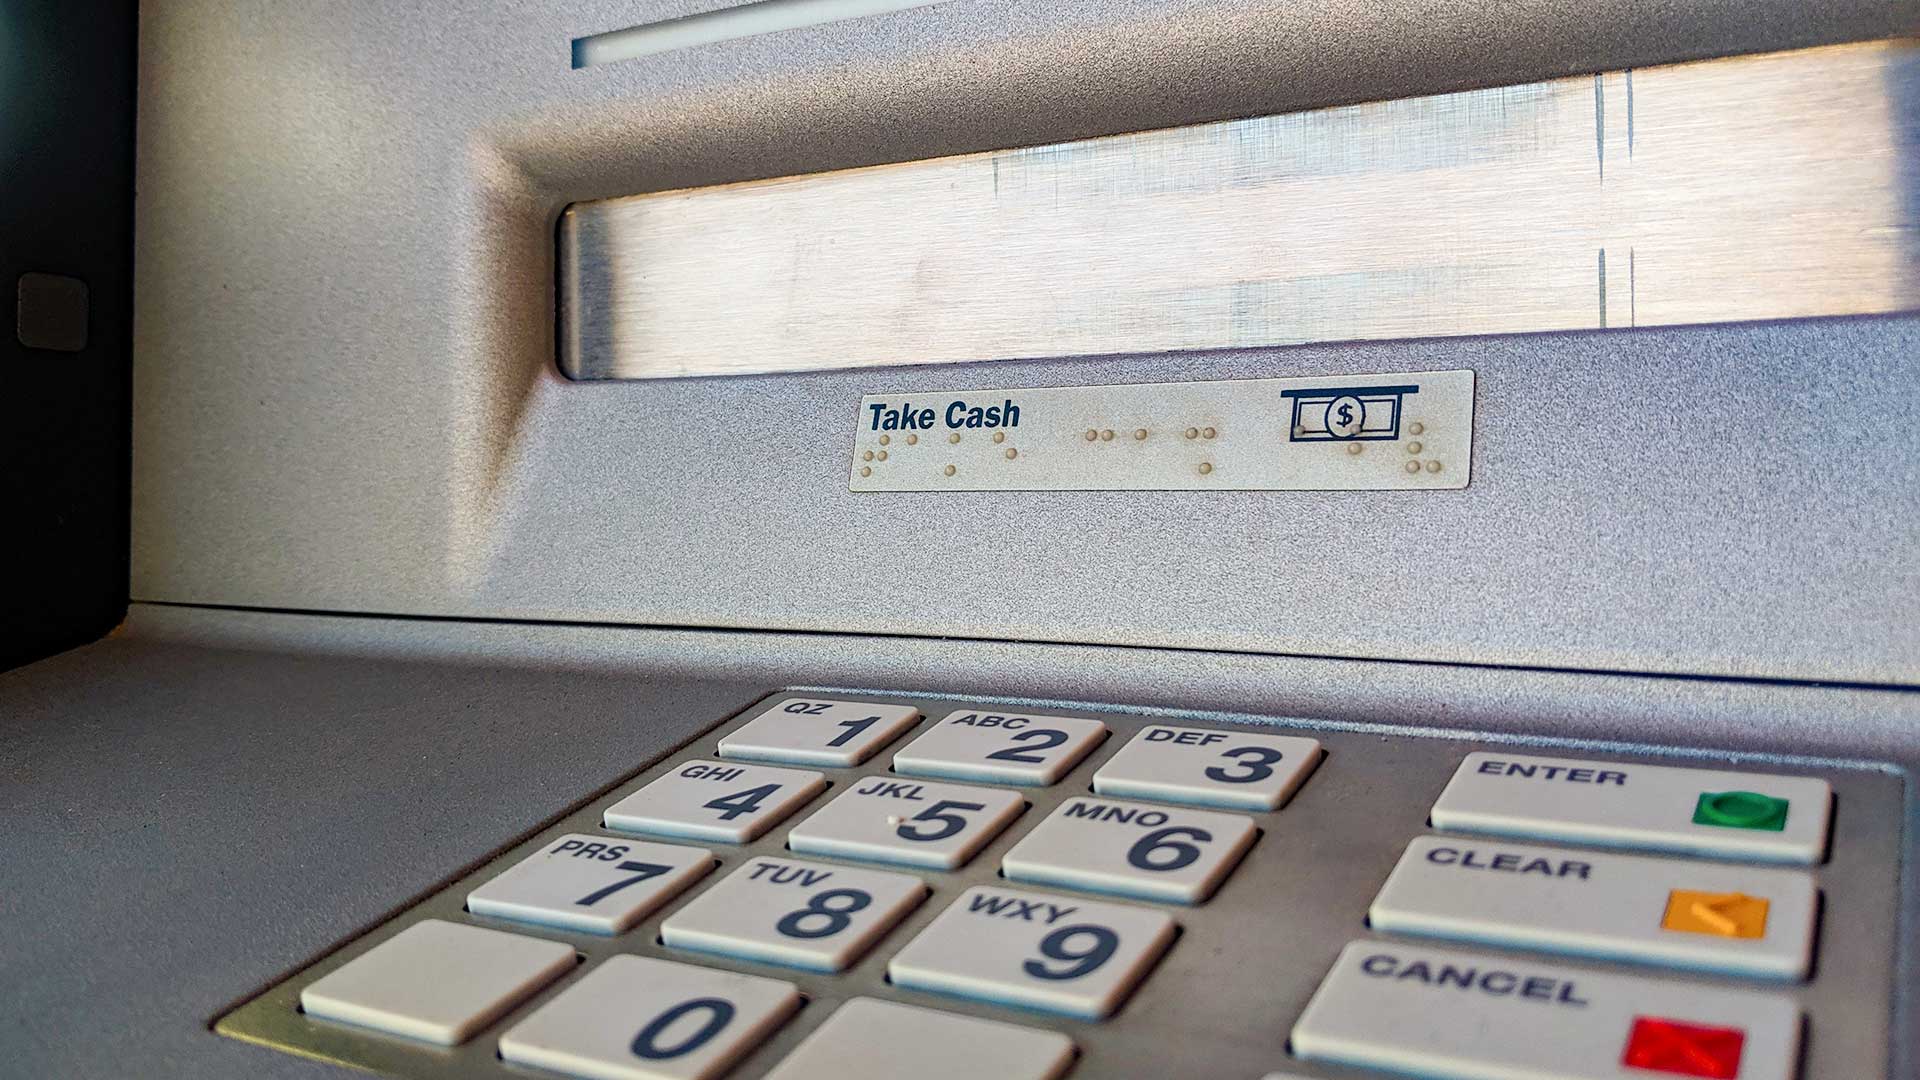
{"x": 1670, "y": 1046}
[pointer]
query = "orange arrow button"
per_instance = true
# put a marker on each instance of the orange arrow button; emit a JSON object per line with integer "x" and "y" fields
{"x": 1734, "y": 915}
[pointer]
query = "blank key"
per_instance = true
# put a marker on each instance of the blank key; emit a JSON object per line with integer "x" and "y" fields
{"x": 437, "y": 981}
{"x": 869, "y": 1039}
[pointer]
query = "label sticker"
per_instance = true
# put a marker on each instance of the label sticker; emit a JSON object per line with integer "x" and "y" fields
{"x": 1396, "y": 432}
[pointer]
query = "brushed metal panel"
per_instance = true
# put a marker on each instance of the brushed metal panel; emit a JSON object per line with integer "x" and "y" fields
{"x": 1760, "y": 187}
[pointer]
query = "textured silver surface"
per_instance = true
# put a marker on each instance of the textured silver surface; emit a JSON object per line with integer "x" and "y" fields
{"x": 1753, "y": 187}
{"x": 1221, "y": 1002}
{"x": 202, "y": 804}
{"x": 346, "y": 396}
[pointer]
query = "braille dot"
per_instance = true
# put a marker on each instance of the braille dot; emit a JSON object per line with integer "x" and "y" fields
{"x": 866, "y": 471}
{"x": 1012, "y": 453}
{"x": 868, "y": 456}
{"x": 1208, "y": 433}
{"x": 885, "y": 439}
{"x": 954, "y": 438}
{"x": 1193, "y": 433}
{"x": 1092, "y": 434}
{"x": 1107, "y": 435}
{"x": 1417, "y": 428}
{"x": 1414, "y": 448}
{"x": 951, "y": 470}
{"x": 1139, "y": 433}
{"x": 999, "y": 436}
{"x": 912, "y": 439}
{"x": 1206, "y": 467}
{"x": 1413, "y": 466}
{"x": 1433, "y": 466}
{"x": 882, "y": 455}
{"x": 1353, "y": 448}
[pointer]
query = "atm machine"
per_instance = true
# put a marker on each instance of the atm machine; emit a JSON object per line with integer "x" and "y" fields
{"x": 820, "y": 539}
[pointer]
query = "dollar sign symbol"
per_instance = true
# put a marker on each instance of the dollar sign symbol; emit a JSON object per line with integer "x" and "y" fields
{"x": 1346, "y": 415}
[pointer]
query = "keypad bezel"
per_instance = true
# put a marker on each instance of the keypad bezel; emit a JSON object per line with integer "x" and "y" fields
{"x": 1245, "y": 962}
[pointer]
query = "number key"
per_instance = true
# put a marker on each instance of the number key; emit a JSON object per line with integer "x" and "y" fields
{"x": 801, "y": 914}
{"x": 911, "y": 822}
{"x": 592, "y": 883}
{"x": 1070, "y": 956}
{"x": 1134, "y": 849}
{"x": 1002, "y": 748}
{"x": 636, "y": 1018}
{"x": 1240, "y": 770}
{"x": 818, "y": 731}
{"x": 711, "y": 800}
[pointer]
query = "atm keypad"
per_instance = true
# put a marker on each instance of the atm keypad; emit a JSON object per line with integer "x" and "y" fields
{"x": 597, "y": 884}
{"x": 815, "y": 916}
{"x": 712, "y": 800}
{"x": 907, "y": 822}
{"x": 818, "y": 731}
{"x": 1040, "y": 950}
{"x": 851, "y": 887}
{"x": 1240, "y": 770}
{"x": 1000, "y": 748}
{"x": 870, "y": 1037}
{"x": 1756, "y": 921}
{"x": 1132, "y": 849}
{"x": 636, "y": 1018}
{"x": 439, "y": 982}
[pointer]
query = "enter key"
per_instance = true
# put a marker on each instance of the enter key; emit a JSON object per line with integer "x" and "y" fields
{"x": 1739, "y": 920}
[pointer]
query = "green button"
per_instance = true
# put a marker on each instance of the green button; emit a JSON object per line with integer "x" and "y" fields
{"x": 1741, "y": 810}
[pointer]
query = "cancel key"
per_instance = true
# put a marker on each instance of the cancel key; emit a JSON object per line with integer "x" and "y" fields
{"x": 1432, "y": 1012}
{"x": 1742, "y": 920}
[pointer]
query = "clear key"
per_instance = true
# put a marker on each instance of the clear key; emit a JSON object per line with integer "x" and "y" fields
{"x": 1052, "y": 953}
{"x": 593, "y": 883}
{"x": 1240, "y": 770}
{"x": 801, "y": 914}
{"x": 818, "y": 731}
{"x": 1000, "y": 748}
{"x": 1134, "y": 849}
{"x": 711, "y": 800}
{"x": 911, "y": 822}
{"x": 636, "y": 1018}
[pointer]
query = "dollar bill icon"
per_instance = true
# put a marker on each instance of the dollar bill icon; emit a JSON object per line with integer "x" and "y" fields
{"x": 1344, "y": 413}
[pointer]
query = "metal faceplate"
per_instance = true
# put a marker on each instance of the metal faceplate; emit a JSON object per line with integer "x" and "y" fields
{"x": 1219, "y": 1004}
{"x": 347, "y": 398}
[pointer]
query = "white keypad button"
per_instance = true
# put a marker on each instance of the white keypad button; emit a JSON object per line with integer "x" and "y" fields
{"x": 910, "y": 822}
{"x": 1000, "y": 748}
{"x": 1240, "y": 770}
{"x": 1133, "y": 849}
{"x": 437, "y": 981}
{"x": 711, "y": 800}
{"x": 635, "y": 1018}
{"x": 1054, "y": 953}
{"x": 1654, "y": 807}
{"x": 598, "y": 884}
{"x": 869, "y": 1039}
{"x": 1745, "y": 920}
{"x": 1428, "y": 1012}
{"x": 801, "y": 914}
{"x": 818, "y": 731}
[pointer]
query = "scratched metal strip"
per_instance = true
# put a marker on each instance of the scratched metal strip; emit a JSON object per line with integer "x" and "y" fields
{"x": 1761, "y": 187}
